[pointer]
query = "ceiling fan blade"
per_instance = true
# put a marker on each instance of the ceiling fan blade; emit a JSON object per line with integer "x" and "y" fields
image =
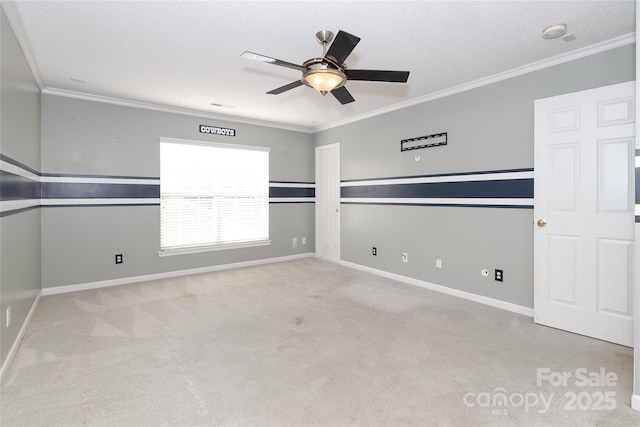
{"x": 342, "y": 95}
{"x": 342, "y": 46}
{"x": 285, "y": 87}
{"x": 378, "y": 75}
{"x": 274, "y": 61}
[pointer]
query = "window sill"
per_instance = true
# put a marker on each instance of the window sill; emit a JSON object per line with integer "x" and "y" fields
{"x": 212, "y": 248}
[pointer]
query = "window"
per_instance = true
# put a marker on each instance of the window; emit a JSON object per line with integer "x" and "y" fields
{"x": 212, "y": 196}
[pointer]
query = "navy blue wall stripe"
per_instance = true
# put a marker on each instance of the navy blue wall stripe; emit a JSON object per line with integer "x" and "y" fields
{"x": 16, "y": 187}
{"x": 446, "y": 205}
{"x": 18, "y": 164}
{"x": 637, "y": 185}
{"x": 63, "y": 190}
{"x": 440, "y": 175}
{"x": 291, "y": 192}
{"x": 504, "y": 189}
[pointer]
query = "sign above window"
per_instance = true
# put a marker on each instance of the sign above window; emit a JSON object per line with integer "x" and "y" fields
{"x": 217, "y": 131}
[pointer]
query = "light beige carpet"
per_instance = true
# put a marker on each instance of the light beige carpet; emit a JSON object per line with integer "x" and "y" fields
{"x": 306, "y": 343}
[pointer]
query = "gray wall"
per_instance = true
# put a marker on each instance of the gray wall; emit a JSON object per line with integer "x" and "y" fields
{"x": 92, "y": 138}
{"x": 20, "y": 141}
{"x": 489, "y": 128}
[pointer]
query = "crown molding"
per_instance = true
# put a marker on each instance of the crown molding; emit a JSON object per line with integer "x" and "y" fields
{"x": 15, "y": 21}
{"x": 525, "y": 69}
{"x": 13, "y": 15}
{"x": 168, "y": 109}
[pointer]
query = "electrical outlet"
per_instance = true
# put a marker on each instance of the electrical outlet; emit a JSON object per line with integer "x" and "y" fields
{"x": 499, "y": 275}
{"x": 438, "y": 263}
{"x": 119, "y": 259}
{"x": 304, "y": 240}
{"x": 8, "y": 322}
{"x": 374, "y": 251}
{"x": 294, "y": 242}
{"x": 405, "y": 257}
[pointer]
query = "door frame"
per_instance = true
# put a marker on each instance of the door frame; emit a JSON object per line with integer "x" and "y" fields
{"x": 320, "y": 236}
{"x": 635, "y": 397}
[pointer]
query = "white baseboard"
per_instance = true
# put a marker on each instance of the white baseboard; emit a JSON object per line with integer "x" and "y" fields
{"x": 635, "y": 402}
{"x": 54, "y": 290}
{"x": 18, "y": 340}
{"x": 515, "y": 308}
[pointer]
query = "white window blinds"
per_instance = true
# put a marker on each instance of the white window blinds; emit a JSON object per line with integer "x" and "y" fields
{"x": 212, "y": 194}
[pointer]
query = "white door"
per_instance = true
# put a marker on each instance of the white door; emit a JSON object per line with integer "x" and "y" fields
{"x": 584, "y": 212}
{"x": 328, "y": 201}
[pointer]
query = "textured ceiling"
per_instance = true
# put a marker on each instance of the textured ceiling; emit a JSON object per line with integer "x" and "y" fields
{"x": 187, "y": 54}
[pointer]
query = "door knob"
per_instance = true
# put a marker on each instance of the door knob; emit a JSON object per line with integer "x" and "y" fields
{"x": 541, "y": 223}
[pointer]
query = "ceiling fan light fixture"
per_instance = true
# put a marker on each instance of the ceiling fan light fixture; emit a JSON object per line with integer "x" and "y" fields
{"x": 324, "y": 80}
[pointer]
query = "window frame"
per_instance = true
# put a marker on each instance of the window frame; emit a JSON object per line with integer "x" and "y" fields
{"x": 215, "y": 246}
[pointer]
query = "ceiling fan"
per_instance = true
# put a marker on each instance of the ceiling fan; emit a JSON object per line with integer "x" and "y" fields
{"x": 330, "y": 73}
